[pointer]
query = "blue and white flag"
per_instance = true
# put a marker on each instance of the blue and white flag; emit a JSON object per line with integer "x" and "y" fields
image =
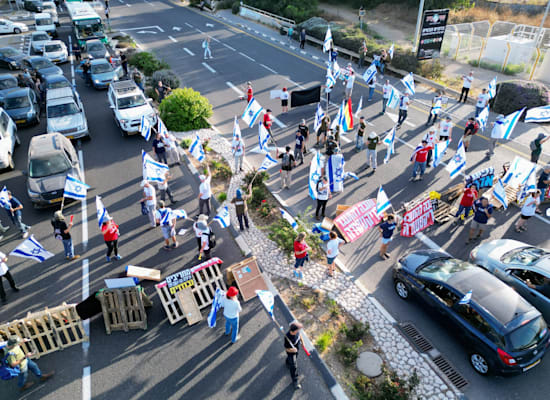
{"x": 530, "y": 184}
{"x": 336, "y": 71}
{"x": 393, "y": 100}
{"x": 166, "y": 216}
{"x": 331, "y": 81}
{"x": 4, "y": 198}
{"x": 252, "y": 112}
{"x": 236, "y": 130}
{"x": 75, "y": 189}
{"x": 436, "y": 109}
{"x": 382, "y": 201}
{"x": 145, "y": 127}
{"x": 267, "y": 300}
{"x": 196, "y": 149}
{"x": 263, "y": 138}
{"x": 289, "y": 218}
{"x": 408, "y": 81}
{"x": 466, "y": 299}
{"x": 102, "y": 214}
{"x": 315, "y": 170}
{"x": 223, "y": 217}
{"x": 359, "y": 107}
{"x": 350, "y": 175}
{"x": 369, "y": 73}
{"x": 216, "y": 305}
{"x": 335, "y": 172}
{"x": 161, "y": 128}
{"x": 500, "y": 194}
{"x": 152, "y": 170}
{"x": 492, "y": 89}
{"x": 267, "y": 163}
{"x": 30, "y": 248}
{"x": 327, "y": 44}
{"x": 458, "y": 162}
{"x": 538, "y": 114}
{"x": 439, "y": 149}
{"x": 337, "y": 121}
{"x": 319, "y": 115}
{"x": 391, "y": 51}
{"x": 389, "y": 141}
{"x": 503, "y": 129}
{"x": 179, "y": 214}
{"x": 483, "y": 117}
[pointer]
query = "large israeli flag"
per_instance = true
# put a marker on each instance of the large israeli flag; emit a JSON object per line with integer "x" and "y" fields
{"x": 391, "y": 50}
{"x": 337, "y": 121}
{"x": 335, "y": 172}
{"x": 267, "y": 300}
{"x": 359, "y": 107}
{"x": 369, "y": 73}
{"x": 196, "y": 149}
{"x": 4, "y": 198}
{"x": 319, "y": 115}
{"x": 263, "y": 138}
{"x": 483, "y": 117}
{"x": 439, "y": 150}
{"x": 327, "y": 44}
{"x": 223, "y": 217}
{"x": 267, "y": 163}
{"x": 315, "y": 170}
{"x": 389, "y": 141}
{"x": 179, "y": 214}
{"x": 166, "y": 216}
{"x": 538, "y": 114}
{"x": 216, "y": 305}
{"x": 252, "y": 112}
{"x": 458, "y": 162}
{"x": 382, "y": 201}
{"x": 336, "y": 71}
{"x": 236, "y": 130}
{"x": 503, "y": 129}
{"x": 500, "y": 194}
{"x": 331, "y": 81}
{"x": 393, "y": 100}
{"x": 492, "y": 90}
{"x": 30, "y": 248}
{"x": 152, "y": 170}
{"x": 145, "y": 127}
{"x": 75, "y": 189}
{"x": 102, "y": 214}
{"x": 289, "y": 218}
{"x": 161, "y": 128}
{"x": 408, "y": 81}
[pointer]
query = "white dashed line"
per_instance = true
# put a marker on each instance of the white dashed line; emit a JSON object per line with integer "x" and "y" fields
{"x": 264, "y": 35}
{"x": 283, "y": 43}
{"x": 410, "y": 124}
{"x": 245, "y": 56}
{"x": 269, "y": 69}
{"x": 315, "y": 57}
{"x": 345, "y": 139}
{"x": 128, "y": 5}
{"x": 86, "y": 384}
{"x": 273, "y": 39}
{"x": 292, "y": 48}
{"x": 189, "y": 25}
{"x": 255, "y": 31}
{"x": 229, "y": 47}
{"x": 198, "y": 30}
{"x": 214, "y": 39}
{"x": 303, "y": 52}
{"x": 208, "y": 67}
{"x": 188, "y": 51}
{"x": 172, "y": 39}
{"x": 235, "y": 88}
{"x": 279, "y": 123}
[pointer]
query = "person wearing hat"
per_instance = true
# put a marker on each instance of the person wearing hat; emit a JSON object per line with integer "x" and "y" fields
{"x": 205, "y": 192}
{"x": 536, "y": 147}
{"x": 483, "y": 210}
{"x": 372, "y": 141}
{"x": 62, "y": 232}
{"x": 293, "y": 341}
{"x": 419, "y": 159}
{"x": 287, "y": 163}
{"x": 299, "y": 147}
{"x": 284, "y": 100}
{"x": 110, "y": 235}
{"x": 542, "y": 184}
{"x": 150, "y": 200}
{"x": 167, "y": 221}
{"x": 5, "y": 273}
{"x": 240, "y": 206}
{"x": 17, "y": 358}
{"x": 231, "y": 310}
{"x": 203, "y": 219}
{"x": 528, "y": 209}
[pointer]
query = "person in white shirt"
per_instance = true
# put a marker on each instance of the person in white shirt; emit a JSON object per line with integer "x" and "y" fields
{"x": 205, "y": 192}
{"x": 205, "y": 240}
{"x": 167, "y": 221}
{"x": 530, "y": 205}
{"x": 466, "y": 85}
{"x": 349, "y": 84}
{"x": 150, "y": 200}
{"x": 372, "y": 86}
{"x": 172, "y": 148}
{"x": 431, "y": 138}
{"x": 445, "y": 128}
{"x": 284, "y": 100}
{"x": 482, "y": 101}
{"x": 433, "y": 112}
{"x": 333, "y": 249}
{"x": 386, "y": 90}
{"x": 206, "y": 47}
{"x": 164, "y": 189}
{"x": 5, "y": 273}
{"x": 238, "y": 153}
{"x": 198, "y": 231}
{"x": 231, "y": 310}
{"x": 403, "y": 107}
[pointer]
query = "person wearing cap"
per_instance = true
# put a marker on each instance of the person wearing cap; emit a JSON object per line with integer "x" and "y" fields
{"x": 240, "y": 206}
{"x": 293, "y": 341}
{"x": 167, "y": 221}
{"x": 15, "y": 357}
{"x": 536, "y": 147}
{"x": 483, "y": 210}
{"x": 528, "y": 209}
{"x": 542, "y": 184}
{"x": 110, "y": 234}
{"x": 203, "y": 219}
{"x": 231, "y": 310}
{"x": 284, "y": 100}
{"x": 5, "y": 273}
{"x": 62, "y": 232}
{"x": 403, "y": 109}
{"x": 237, "y": 148}
{"x": 419, "y": 159}
{"x": 373, "y": 140}
{"x": 287, "y": 163}
{"x": 205, "y": 191}
{"x": 205, "y": 240}
{"x": 150, "y": 200}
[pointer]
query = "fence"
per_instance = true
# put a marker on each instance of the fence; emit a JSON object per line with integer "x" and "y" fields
{"x": 265, "y": 17}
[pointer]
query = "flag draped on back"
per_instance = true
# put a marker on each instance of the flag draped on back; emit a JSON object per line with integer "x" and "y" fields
{"x": 335, "y": 172}
{"x": 338, "y": 119}
{"x": 315, "y": 169}
{"x": 359, "y": 107}
{"x": 179, "y": 214}
{"x": 500, "y": 194}
{"x": 503, "y": 130}
{"x": 152, "y": 170}
{"x": 347, "y": 117}
{"x": 252, "y": 112}
{"x": 196, "y": 149}
{"x": 458, "y": 162}
{"x": 223, "y": 217}
{"x": 393, "y": 100}
{"x": 30, "y": 248}
{"x": 267, "y": 163}
{"x": 75, "y": 189}
{"x": 382, "y": 201}
{"x": 267, "y": 300}
{"x": 439, "y": 149}
{"x": 538, "y": 114}
{"x": 216, "y": 305}
{"x": 319, "y": 115}
{"x": 483, "y": 117}
{"x": 102, "y": 213}
{"x": 369, "y": 73}
{"x": 408, "y": 81}
{"x": 336, "y": 71}
{"x": 145, "y": 127}
{"x": 289, "y": 218}
{"x": 436, "y": 109}
{"x": 263, "y": 137}
{"x": 327, "y": 44}
{"x": 389, "y": 141}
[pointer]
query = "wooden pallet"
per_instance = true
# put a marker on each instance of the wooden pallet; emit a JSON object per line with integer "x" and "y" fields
{"x": 453, "y": 193}
{"x": 444, "y": 212}
{"x": 123, "y": 309}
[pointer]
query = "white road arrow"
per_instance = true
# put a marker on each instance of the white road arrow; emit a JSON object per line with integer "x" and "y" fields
{"x": 209, "y": 25}
{"x": 176, "y": 28}
{"x": 144, "y": 32}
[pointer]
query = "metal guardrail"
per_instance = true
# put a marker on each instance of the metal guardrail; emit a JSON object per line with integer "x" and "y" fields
{"x": 284, "y": 21}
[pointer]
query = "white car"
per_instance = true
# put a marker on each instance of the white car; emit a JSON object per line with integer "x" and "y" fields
{"x": 7, "y": 26}
{"x": 8, "y": 140}
{"x": 50, "y": 8}
{"x": 38, "y": 39}
{"x": 65, "y": 113}
{"x": 55, "y": 51}
{"x": 129, "y": 104}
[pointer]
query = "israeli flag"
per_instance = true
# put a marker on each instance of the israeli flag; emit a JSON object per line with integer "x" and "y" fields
{"x": 500, "y": 194}
{"x": 223, "y": 217}
{"x": 336, "y": 71}
{"x": 369, "y": 73}
{"x": 263, "y": 137}
{"x": 351, "y": 175}
{"x": 335, "y": 172}
{"x": 391, "y": 51}
{"x": 75, "y": 189}
{"x": 179, "y": 214}
{"x": 216, "y": 305}
{"x": 267, "y": 300}
{"x": 102, "y": 214}
{"x": 267, "y": 163}
{"x": 252, "y": 112}
{"x": 359, "y": 107}
{"x": 289, "y": 218}
{"x": 382, "y": 201}
{"x": 337, "y": 121}
{"x": 196, "y": 149}
{"x": 161, "y": 128}
{"x": 458, "y": 162}
{"x": 492, "y": 90}
{"x": 408, "y": 81}
{"x": 327, "y": 44}
{"x": 319, "y": 115}
{"x": 503, "y": 129}
{"x": 145, "y": 127}
{"x": 439, "y": 149}
{"x": 30, "y": 248}
{"x": 483, "y": 117}
{"x": 393, "y": 100}
{"x": 466, "y": 299}
{"x": 315, "y": 170}
{"x": 152, "y": 170}
{"x": 166, "y": 216}
{"x": 530, "y": 184}
{"x": 4, "y": 198}
{"x": 236, "y": 130}
{"x": 331, "y": 81}
{"x": 538, "y": 114}
{"x": 436, "y": 109}
{"x": 389, "y": 141}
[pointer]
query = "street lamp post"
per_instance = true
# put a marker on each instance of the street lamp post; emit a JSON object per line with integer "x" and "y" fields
{"x": 418, "y": 25}
{"x": 542, "y": 24}
{"x": 361, "y": 15}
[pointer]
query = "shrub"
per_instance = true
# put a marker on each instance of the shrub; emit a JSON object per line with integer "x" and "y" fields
{"x": 265, "y": 209}
{"x": 235, "y": 8}
{"x": 184, "y": 110}
{"x": 431, "y": 69}
{"x": 357, "y": 331}
{"x": 150, "y": 92}
{"x": 258, "y": 195}
{"x": 222, "y": 197}
{"x": 297, "y": 10}
{"x": 514, "y": 95}
{"x": 221, "y": 170}
{"x": 224, "y": 4}
{"x": 261, "y": 177}
{"x": 324, "y": 340}
{"x": 332, "y": 306}
{"x": 514, "y": 69}
{"x": 308, "y": 302}
{"x": 167, "y": 77}
{"x": 185, "y": 143}
{"x": 391, "y": 388}
{"x": 350, "y": 353}
{"x": 147, "y": 62}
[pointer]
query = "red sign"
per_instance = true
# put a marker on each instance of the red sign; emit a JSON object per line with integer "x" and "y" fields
{"x": 417, "y": 218}
{"x": 357, "y": 219}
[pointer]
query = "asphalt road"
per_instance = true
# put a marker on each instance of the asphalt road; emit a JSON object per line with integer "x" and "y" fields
{"x": 168, "y": 362}
{"x": 261, "y": 56}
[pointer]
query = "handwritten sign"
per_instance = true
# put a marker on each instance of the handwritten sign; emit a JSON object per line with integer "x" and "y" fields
{"x": 417, "y": 218}
{"x": 357, "y": 220}
{"x": 180, "y": 280}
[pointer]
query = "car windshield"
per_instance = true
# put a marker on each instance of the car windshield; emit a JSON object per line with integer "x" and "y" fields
{"x": 8, "y": 83}
{"x": 527, "y": 335}
{"x": 443, "y": 269}
{"x": 131, "y": 101}
{"x": 40, "y": 64}
{"x": 524, "y": 256}
{"x": 52, "y": 47}
{"x": 59, "y": 84}
{"x": 40, "y": 167}
{"x": 9, "y": 52}
{"x": 95, "y": 47}
{"x": 60, "y": 110}
{"x": 101, "y": 68}
{"x": 44, "y": 21}
{"x": 40, "y": 37}
{"x": 17, "y": 102}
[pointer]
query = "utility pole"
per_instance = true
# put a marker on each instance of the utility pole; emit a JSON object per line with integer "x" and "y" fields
{"x": 539, "y": 34}
{"x": 419, "y": 24}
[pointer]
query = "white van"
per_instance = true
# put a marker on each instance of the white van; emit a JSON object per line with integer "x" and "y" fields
{"x": 50, "y": 8}
{"x": 8, "y": 140}
{"x": 44, "y": 23}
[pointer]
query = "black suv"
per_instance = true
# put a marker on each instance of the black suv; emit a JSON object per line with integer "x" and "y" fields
{"x": 33, "y": 5}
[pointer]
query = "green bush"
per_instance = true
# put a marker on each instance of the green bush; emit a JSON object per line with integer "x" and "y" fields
{"x": 297, "y": 10}
{"x": 150, "y": 93}
{"x": 324, "y": 341}
{"x": 220, "y": 170}
{"x": 514, "y": 95}
{"x": 222, "y": 197}
{"x": 390, "y": 388}
{"x": 431, "y": 69}
{"x": 184, "y": 110}
{"x": 260, "y": 179}
{"x": 224, "y": 4}
{"x": 349, "y": 353}
{"x": 147, "y": 62}
{"x": 333, "y": 307}
{"x": 235, "y": 8}
{"x": 167, "y": 77}
{"x": 357, "y": 331}
{"x": 514, "y": 69}
{"x": 185, "y": 143}
{"x": 259, "y": 193}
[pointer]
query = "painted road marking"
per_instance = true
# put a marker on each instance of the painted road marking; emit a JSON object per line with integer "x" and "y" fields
{"x": 345, "y": 138}
{"x": 85, "y": 295}
{"x": 279, "y": 123}
{"x": 214, "y": 39}
{"x": 292, "y": 48}
{"x": 142, "y": 28}
{"x": 189, "y": 25}
{"x": 172, "y": 39}
{"x": 255, "y": 31}
{"x": 86, "y": 384}
{"x": 208, "y": 67}
{"x": 198, "y": 30}
{"x": 229, "y": 47}
{"x": 269, "y": 69}
{"x": 245, "y": 56}
{"x": 303, "y": 52}
{"x": 264, "y": 35}
{"x": 273, "y": 39}
{"x": 188, "y": 51}
{"x": 295, "y": 83}
{"x": 235, "y": 88}
{"x": 315, "y": 57}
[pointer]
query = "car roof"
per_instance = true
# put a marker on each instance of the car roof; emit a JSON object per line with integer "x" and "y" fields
{"x": 99, "y": 61}
{"x": 35, "y": 58}
{"x": 94, "y": 41}
{"x": 56, "y": 42}
{"x": 59, "y": 93}
{"x": 10, "y": 47}
{"x": 42, "y": 15}
{"x": 124, "y": 88}
{"x": 46, "y": 144}
{"x": 17, "y": 92}
{"x": 55, "y": 78}
{"x": 7, "y": 76}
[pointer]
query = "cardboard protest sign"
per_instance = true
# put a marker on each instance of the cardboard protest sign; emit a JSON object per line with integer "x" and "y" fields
{"x": 357, "y": 219}
{"x": 418, "y": 218}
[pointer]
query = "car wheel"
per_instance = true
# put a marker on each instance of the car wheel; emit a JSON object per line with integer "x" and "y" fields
{"x": 16, "y": 30}
{"x": 479, "y": 363}
{"x": 11, "y": 163}
{"x": 401, "y": 289}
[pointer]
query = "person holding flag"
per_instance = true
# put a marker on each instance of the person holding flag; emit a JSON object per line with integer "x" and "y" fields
{"x": 241, "y": 208}
{"x": 205, "y": 192}
{"x": 167, "y": 221}
{"x": 386, "y": 91}
{"x": 350, "y": 80}
{"x": 403, "y": 109}
{"x": 431, "y": 138}
{"x": 231, "y": 310}
{"x": 387, "y": 228}
{"x": 323, "y": 194}
{"x": 498, "y": 126}
{"x": 110, "y": 235}
{"x": 62, "y": 232}
{"x": 5, "y": 273}
{"x": 293, "y": 342}
{"x": 322, "y": 131}
{"x": 419, "y": 159}
{"x": 372, "y": 87}
{"x": 268, "y": 121}
{"x": 13, "y": 208}
{"x": 472, "y": 127}
{"x": 466, "y": 85}
{"x": 149, "y": 202}
{"x": 237, "y": 148}
{"x": 482, "y": 101}
{"x": 436, "y": 108}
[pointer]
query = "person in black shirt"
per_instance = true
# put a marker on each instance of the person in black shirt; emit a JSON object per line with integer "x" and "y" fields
{"x": 61, "y": 232}
{"x": 292, "y": 346}
{"x": 76, "y": 51}
{"x": 159, "y": 147}
{"x": 86, "y": 72}
{"x": 124, "y": 62}
{"x": 302, "y": 127}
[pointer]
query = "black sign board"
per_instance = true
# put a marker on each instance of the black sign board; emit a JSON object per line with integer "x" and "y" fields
{"x": 432, "y": 33}
{"x": 180, "y": 280}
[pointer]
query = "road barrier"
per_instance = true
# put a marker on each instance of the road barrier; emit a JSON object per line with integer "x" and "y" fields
{"x": 124, "y": 308}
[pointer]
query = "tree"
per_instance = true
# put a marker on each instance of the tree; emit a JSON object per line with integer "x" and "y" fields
{"x": 185, "y": 110}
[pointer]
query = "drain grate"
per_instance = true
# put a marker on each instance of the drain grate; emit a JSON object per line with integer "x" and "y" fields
{"x": 416, "y": 338}
{"x": 452, "y": 374}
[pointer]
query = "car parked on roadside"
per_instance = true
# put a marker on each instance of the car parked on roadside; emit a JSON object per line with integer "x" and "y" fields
{"x": 102, "y": 73}
{"x": 33, "y": 5}
{"x": 41, "y": 66}
{"x": 128, "y": 104}
{"x": 8, "y": 140}
{"x": 8, "y": 82}
{"x": 503, "y": 333}
{"x": 10, "y": 58}
{"x": 56, "y": 51}
{"x": 38, "y": 39}
{"x": 51, "y": 158}
{"x": 65, "y": 113}
{"x": 22, "y": 106}
{"x": 7, "y": 26}
{"x": 96, "y": 49}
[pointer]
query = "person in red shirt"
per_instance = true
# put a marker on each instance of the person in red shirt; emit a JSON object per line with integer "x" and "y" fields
{"x": 472, "y": 126}
{"x": 249, "y": 92}
{"x": 466, "y": 203}
{"x": 300, "y": 252}
{"x": 419, "y": 159}
{"x": 268, "y": 120}
{"x": 110, "y": 235}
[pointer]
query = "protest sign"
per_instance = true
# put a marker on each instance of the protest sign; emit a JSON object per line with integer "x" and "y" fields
{"x": 357, "y": 220}
{"x": 180, "y": 280}
{"x": 417, "y": 218}
{"x": 482, "y": 179}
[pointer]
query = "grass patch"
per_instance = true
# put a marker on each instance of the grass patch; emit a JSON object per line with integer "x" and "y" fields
{"x": 333, "y": 307}
{"x": 308, "y": 302}
{"x": 324, "y": 341}
{"x": 222, "y": 197}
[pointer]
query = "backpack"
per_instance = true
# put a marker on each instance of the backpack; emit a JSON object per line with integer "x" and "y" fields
{"x": 7, "y": 372}
{"x": 211, "y": 239}
{"x": 533, "y": 146}
{"x": 286, "y": 160}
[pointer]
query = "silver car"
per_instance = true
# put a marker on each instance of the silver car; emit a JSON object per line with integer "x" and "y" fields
{"x": 524, "y": 267}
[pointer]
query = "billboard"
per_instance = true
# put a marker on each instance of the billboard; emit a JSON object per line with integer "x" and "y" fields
{"x": 431, "y": 34}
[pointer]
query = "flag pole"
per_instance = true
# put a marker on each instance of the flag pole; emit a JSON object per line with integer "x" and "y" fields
{"x": 62, "y": 203}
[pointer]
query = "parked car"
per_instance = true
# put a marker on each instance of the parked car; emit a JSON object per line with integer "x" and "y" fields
{"x": 56, "y": 82}
{"x": 10, "y": 58}
{"x": 56, "y": 51}
{"x": 43, "y": 22}
{"x": 33, "y": 5}
{"x": 22, "y": 106}
{"x": 102, "y": 73}
{"x": 37, "y": 41}
{"x": 51, "y": 158}
{"x": 50, "y": 8}
{"x": 96, "y": 49}
{"x": 8, "y": 140}
{"x": 129, "y": 104}
{"x": 41, "y": 66}
{"x": 8, "y": 82}
{"x": 65, "y": 113}
{"x": 503, "y": 333}
{"x": 7, "y": 26}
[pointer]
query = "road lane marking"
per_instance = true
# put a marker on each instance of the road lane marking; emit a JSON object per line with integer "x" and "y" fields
{"x": 279, "y": 123}
{"x": 410, "y": 124}
{"x": 235, "y": 88}
{"x": 273, "y": 39}
{"x": 245, "y": 56}
{"x": 229, "y": 47}
{"x": 85, "y": 295}
{"x": 315, "y": 57}
{"x": 172, "y": 39}
{"x": 128, "y": 5}
{"x": 292, "y": 48}
{"x": 255, "y": 31}
{"x": 198, "y": 30}
{"x": 283, "y": 43}
{"x": 188, "y": 51}
{"x": 214, "y": 39}
{"x": 86, "y": 384}
{"x": 189, "y": 25}
{"x": 303, "y": 52}
{"x": 295, "y": 83}
{"x": 208, "y": 67}
{"x": 345, "y": 138}
{"x": 264, "y": 35}
{"x": 429, "y": 242}
{"x": 269, "y": 69}
{"x": 142, "y": 28}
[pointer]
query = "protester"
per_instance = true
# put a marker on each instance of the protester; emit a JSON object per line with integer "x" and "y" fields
{"x": 165, "y": 217}
{"x": 303, "y": 128}
{"x": 382, "y": 61}
{"x": 360, "y": 134}
{"x": 137, "y": 77}
{"x": 493, "y": 141}
{"x": 249, "y": 92}
{"x": 536, "y": 147}
{"x": 289, "y": 33}
{"x": 241, "y": 207}
{"x": 231, "y": 310}
{"x": 86, "y": 66}
{"x": 110, "y": 234}
{"x": 205, "y": 191}
{"x": 419, "y": 159}
{"x": 198, "y": 230}
{"x": 482, "y": 101}
{"x": 466, "y": 203}
{"x": 287, "y": 163}
{"x": 300, "y": 253}
{"x": 323, "y": 129}
{"x": 431, "y": 138}
{"x": 237, "y": 148}
{"x": 531, "y": 203}
{"x": 62, "y": 232}
{"x": 386, "y": 90}
{"x": 445, "y": 129}
{"x": 161, "y": 91}
{"x": 387, "y": 229}
{"x": 159, "y": 148}
{"x": 331, "y": 145}
{"x": 293, "y": 341}
{"x": 328, "y": 89}
{"x": 268, "y": 121}
{"x": 373, "y": 140}
{"x": 5, "y": 273}
{"x": 149, "y": 202}
{"x": 13, "y": 209}
{"x": 284, "y": 100}
{"x": 542, "y": 184}
{"x": 124, "y": 63}
{"x": 76, "y": 51}
{"x": 482, "y": 212}
{"x": 205, "y": 239}
{"x": 206, "y": 47}
{"x": 372, "y": 87}
{"x": 466, "y": 85}
{"x": 15, "y": 357}
{"x": 164, "y": 188}
{"x": 403, "y": 107}
{"x": 350, "y": 80}
{"x": 333, "y": 249}
{"x": 299, "y": 147}
{"x": 323, "y": 194}
{"x": 362, "y": 54}
{"x": 472, "y": 126}
{"x": 436, "y": 99}
{"x": 302, "y": 38}
{"x": 333, "y": 56}
{"x": 172, "y": 148}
